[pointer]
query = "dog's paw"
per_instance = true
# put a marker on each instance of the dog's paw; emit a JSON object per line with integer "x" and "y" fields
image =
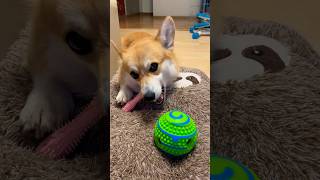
{"x": 43, "y": 113}
{"x": 123, "y": 96}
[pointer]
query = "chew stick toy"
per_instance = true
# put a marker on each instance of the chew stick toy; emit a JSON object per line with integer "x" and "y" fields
{"x": 64, "y": 140}
{"x": 132, "y": 103}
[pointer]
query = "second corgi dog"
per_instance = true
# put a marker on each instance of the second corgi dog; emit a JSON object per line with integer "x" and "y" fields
{"x": 148, "y": 63}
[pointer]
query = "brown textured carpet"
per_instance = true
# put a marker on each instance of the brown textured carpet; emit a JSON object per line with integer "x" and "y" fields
{"x": 271, "y": 123}
{"x": 17, "y": 161}
{"x": 133, "y": 154}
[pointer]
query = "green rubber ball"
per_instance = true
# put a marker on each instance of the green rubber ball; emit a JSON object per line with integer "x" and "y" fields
{"x": 175, "y": 133}
{"x": 224, "y": 168}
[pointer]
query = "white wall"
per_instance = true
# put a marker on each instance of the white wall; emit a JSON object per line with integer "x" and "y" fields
{"x": 176, "y": 7}
{"x": 146, "y": 6}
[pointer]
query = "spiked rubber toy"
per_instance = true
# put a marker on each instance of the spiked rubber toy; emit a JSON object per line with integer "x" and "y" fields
{"x": 64, "y": 140}
{"x": 132, "y": 103}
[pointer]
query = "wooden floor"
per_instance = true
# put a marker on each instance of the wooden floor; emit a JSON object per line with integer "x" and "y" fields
{"x": 189, "y": 52}
{"x": 146, "y": 20}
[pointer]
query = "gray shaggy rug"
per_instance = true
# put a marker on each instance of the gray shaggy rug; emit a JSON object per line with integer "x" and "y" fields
{"x": 271, "y": 122}
{"x": 133, "y": 154}
{"x": 18, "y": 161}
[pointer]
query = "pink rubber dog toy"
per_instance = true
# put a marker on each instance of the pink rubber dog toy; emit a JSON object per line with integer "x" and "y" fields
{"x": 132, "y": 103}
{"x": 64, "y": 140}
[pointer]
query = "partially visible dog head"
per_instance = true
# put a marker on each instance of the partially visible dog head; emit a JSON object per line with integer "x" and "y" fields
{"x": 69, "y": 38}
{"x": 148, "y": 62}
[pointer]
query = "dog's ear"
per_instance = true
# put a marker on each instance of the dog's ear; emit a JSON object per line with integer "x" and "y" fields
{"x": 166, "y": 33}
{"x": 119, "y": 50}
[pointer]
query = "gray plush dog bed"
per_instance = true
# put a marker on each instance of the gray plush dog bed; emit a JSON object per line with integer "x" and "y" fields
{"x": 132, "y": 151}
{"x": 271, "y": 122}
{"x": 18, "y": 161}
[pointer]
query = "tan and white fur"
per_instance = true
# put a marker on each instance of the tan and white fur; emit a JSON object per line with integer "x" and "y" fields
{"x": 139, "y": 54}
{"x": 67, "y": 50}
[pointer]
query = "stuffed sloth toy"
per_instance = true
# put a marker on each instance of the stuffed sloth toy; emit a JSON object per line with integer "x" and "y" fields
{"x": 265, "y": 100}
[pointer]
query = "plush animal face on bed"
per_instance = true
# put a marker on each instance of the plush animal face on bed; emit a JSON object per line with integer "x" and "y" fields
{"x": 186, "y": 79}
{"x": 244, "y": 56}
{"x": 67, "y": 49}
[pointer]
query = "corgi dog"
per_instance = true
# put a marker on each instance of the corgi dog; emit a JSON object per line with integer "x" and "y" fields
{"x": 147, "y": 63}
{"x": 65, "y": 57}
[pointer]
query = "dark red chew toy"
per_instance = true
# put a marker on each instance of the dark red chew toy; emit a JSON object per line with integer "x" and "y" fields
{"x": 64, "y": 140}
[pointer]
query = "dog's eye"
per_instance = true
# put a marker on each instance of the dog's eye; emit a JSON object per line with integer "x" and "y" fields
{"x": 134, "y": 75}
{"x": 153, "y": 67}
{"x": 78, "y": 43}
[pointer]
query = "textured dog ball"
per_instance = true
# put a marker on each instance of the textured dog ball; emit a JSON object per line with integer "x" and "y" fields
{"x": 175, "y": 133}
{"x": 223, "y": 168}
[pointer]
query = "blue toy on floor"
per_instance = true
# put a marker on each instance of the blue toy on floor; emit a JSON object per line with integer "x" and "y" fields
{"x": 202, "y": 28}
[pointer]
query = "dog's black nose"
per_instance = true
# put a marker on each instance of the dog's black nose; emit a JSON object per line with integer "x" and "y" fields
{"x": 150, "y": 96}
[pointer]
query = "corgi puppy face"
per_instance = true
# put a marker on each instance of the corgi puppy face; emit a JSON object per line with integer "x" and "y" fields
{"x": 69, "y": 40}
{"x": 66, "y": 57}
{"x": 148, "y": 63}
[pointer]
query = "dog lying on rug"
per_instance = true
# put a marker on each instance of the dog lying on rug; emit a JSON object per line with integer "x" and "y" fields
{"x": 267, "y": 118}
{"x": 147, "y": 63}
{"x": 132, "y": 151}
